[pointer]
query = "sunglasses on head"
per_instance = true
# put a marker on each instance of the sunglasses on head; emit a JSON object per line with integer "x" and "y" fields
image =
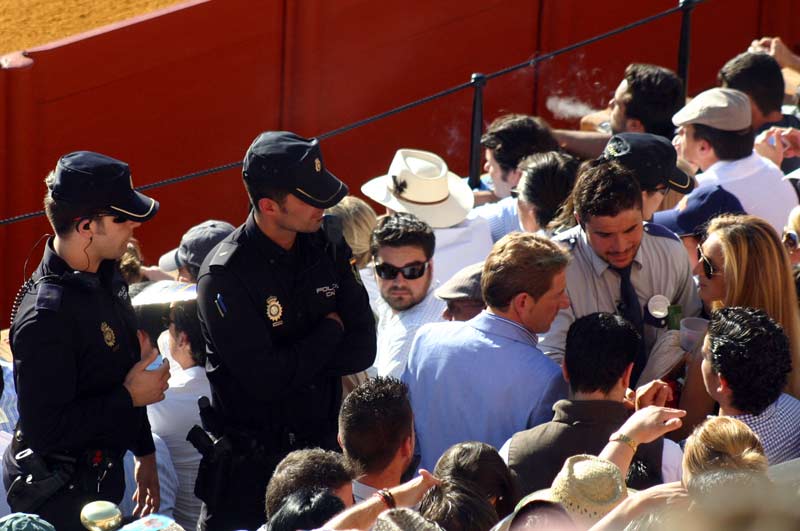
{"x": 708, "y": 268}
{"x": 790, "y": 239}
{"x": 410, "y": 272}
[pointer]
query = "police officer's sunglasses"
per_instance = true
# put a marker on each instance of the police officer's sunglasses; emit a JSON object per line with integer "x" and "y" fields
{"x": 708, "y": 268}
{"x": 410, "y": 271}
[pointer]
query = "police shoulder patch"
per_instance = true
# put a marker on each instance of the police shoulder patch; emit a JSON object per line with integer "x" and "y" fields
{"x": 660, "y": 231}
{"x": 224, "y": 253}
{"x": 48, "y": 296}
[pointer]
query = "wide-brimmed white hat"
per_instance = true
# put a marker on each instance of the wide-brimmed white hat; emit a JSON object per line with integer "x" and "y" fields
{"x": 419, "y": 183}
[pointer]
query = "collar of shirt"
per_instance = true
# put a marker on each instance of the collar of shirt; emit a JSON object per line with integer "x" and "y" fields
{"x": 590, "y": 411}
{"x": 750, "y": 419}
{"x": 730, "y": 170}
{"x": 598, "y": 264}
{"x": 270, "y": 249}
{"x": 490, "y": 322}
{"x": 361, "y": 491}
{"x": 52, "y": 264}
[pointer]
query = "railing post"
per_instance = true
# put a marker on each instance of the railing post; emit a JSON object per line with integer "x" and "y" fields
{"x": 685, "y": 43}
{"x": 478, "y": 81}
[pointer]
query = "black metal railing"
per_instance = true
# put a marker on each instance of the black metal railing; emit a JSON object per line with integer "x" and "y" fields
{"x": 478, "y": 83}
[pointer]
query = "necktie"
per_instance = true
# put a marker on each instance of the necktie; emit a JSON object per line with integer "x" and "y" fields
{"x": 631, "y": 310}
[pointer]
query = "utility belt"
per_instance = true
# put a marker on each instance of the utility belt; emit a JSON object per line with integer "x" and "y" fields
{"x": 237, "y": 462}
{"x": 96, "y": 472}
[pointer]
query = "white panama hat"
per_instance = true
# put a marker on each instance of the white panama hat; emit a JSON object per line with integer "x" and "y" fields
{"x": 419, "y": 183}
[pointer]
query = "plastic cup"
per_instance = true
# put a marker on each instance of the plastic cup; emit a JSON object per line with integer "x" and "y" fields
{"x": 692, "y": 331}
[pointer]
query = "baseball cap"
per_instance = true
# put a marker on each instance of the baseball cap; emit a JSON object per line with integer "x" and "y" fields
{"x": 286, "y": 160}
{"x": 651, "y": 158}
{"x": 100, "y": 182}
{"x": 465, "y": 284}
{"x": 720, "y": 108}
{"x": 195, "y": 245}
{"x": 698, "y": 208}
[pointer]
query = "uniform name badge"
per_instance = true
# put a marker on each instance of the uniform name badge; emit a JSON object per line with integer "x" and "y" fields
{"x": 274, "y": 311}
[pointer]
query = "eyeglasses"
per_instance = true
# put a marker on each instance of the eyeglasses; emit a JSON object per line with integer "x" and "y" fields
{"x": 790, "y": 239}
{"x": 514, "y": 192}
{"x": 662, "y": 190}
{"x": 708, "y": 268}
{"x": 410, "y": 272}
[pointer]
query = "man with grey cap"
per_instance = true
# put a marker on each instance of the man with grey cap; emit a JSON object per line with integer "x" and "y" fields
{"x": 195, "y": 245}
{"x": 284, "y": 316}
{"x": 462, "y": 294}
{"x": 81, "y": 379}
{"x": 715, "y": 134}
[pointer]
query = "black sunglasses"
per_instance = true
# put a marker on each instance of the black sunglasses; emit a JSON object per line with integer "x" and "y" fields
{"x": 790, "y": 240}
{"x": 410, "y": 272}
{"x": 708, "y": 268}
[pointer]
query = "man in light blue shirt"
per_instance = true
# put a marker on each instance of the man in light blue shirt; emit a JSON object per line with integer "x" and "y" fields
{"x": 485, "y": 379}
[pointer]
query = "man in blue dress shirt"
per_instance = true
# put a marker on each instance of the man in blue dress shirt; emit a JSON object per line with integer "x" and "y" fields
{"x": 485, "y": 379}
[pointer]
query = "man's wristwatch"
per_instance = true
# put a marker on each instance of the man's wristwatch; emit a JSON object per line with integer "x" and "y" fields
{"x": 618, "y": 436}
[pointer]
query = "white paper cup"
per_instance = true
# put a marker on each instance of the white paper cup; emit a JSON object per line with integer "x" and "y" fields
{"x": 692, "y": 331}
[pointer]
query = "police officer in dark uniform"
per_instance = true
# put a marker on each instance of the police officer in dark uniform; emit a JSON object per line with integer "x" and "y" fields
{"x": 81, "y": 383}
{"x": 284, "y": 316}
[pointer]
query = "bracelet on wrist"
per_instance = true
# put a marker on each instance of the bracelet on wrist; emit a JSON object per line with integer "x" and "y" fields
{"x": 387, "y": 498}
{"x": 624, "y": 439}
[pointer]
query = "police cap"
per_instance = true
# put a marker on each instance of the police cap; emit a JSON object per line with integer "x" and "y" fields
{"x": 284, "y": 160}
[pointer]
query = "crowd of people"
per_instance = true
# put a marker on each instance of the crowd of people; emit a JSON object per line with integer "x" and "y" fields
{"x": 605, "y": 334}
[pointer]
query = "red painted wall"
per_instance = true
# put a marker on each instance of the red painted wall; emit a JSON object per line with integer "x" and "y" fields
{"x": 190, "y": 87}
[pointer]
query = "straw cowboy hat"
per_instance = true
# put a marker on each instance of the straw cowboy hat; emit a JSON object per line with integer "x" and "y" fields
{"x": 419, "y": 183}
{"x": 588, "y": 487}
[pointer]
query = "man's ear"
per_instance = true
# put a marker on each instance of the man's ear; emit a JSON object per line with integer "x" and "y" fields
{"x": 407, "y": 448}
{"x": 339, "y": 440}
{"x": 626, "y": 376}
{"x": 633, "y": 125}
{"x": 722, "y": 386}
{"x": 183, "y": 339}
{"x": 84, "y": 228}
{"x": 267, "y": 206}
{"x": 564, "y": 371}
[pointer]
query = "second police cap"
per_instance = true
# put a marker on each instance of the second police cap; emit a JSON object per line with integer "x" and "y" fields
{"x": 651, "y": 158}
{"x": 100, "y": 182}
{"x": 285, "y": 160}
{"x": 695, "y": 210}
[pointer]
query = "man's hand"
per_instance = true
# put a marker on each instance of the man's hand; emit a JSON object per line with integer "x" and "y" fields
{"x": 769, "y": 144}
{"x": 335, "y": 316}
{"x": 775, "y": 47}
{"x": 147, "y": 387}
{"x": 651, "y": 422}
{"x": 655, "y": 393}
{"x": 147, "y": 496}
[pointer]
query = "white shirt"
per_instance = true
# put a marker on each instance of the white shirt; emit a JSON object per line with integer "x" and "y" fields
{"x": 467, "y": 243}
{"x": 396, "y": 331}
{"x": 171, "y": 419}
{"x": 757, "y": 183}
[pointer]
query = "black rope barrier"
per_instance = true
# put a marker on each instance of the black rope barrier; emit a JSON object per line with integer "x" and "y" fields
{"x": 402, "y": 108}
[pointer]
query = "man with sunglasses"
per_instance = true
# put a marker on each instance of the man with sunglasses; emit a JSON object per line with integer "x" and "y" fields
{"x": 80, "y": 376}
{"x": 284, "y": 316}
{"x": 402, "y": 247}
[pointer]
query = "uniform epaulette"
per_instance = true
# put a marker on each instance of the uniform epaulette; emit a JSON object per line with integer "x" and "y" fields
{"x": 654, "y": 229}
{"x": 224, "y": 253}
{"x": 566, "y": 241}
{"x": 48, "y": 296}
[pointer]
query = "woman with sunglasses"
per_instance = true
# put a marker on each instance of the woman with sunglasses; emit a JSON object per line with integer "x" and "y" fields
{"x": 790, "y": 238}
{"x": 742, "y": 262}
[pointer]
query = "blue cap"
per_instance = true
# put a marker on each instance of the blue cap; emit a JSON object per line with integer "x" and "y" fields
{"x": 100, "y": 182}
{"x": 696, "y": 209}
